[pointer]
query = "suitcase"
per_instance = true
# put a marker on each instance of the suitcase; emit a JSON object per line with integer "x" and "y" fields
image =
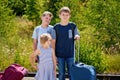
{"x": 14, "y": 72}
{"x": 81, "y": 71}
{"x": 1, "y": 74}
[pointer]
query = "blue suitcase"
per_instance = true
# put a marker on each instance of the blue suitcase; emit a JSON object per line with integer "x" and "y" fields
{"x": 81, "y": 71}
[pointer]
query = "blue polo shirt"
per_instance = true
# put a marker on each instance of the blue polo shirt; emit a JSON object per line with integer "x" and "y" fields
{"x": 65, "y": 40}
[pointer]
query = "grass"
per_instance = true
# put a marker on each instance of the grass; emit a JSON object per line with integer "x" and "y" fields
{"x": 114, "y": 64}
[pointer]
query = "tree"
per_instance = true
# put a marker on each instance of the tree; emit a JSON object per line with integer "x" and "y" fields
{"x": 18, "y": 6}
{"x": 34, "y": 9}
{"x": 104, "y": 16}
{"x": 54, "y": 6}
{"x": 6, "y": 15}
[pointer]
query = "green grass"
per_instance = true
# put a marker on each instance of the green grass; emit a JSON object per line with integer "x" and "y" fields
{"x": 114, "y": 64}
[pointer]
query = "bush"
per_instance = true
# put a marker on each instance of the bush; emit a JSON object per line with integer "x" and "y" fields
{"x": 16, "y": 47}
{"x": 92, "y": 55}
{"x": 114, "y": 63}
{"x": 91, "y": 52}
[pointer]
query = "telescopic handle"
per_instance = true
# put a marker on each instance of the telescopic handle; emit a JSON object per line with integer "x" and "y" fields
{"x": 77, "y": 51}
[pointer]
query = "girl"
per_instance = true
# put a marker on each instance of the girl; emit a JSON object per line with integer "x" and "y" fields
{"x": 46, "y": 68}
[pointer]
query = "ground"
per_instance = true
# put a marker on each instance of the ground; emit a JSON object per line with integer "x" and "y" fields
{"x": 31, "y": 78}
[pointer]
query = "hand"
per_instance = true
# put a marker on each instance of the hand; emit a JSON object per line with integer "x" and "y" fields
{"x": 56, "y": 61}
{"x": 77, "y": 37}
{"x": 35, "y": 67}
{"x": 55, "y": 73}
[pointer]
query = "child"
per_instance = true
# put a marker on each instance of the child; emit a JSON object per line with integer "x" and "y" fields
{"x": 43, "y": 28}
{"x": 46, "y": 68}
{"x": 66, "y": 32}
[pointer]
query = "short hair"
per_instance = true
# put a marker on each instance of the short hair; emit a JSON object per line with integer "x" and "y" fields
{"x": 64, "y": 9}
{"x": 44, "y": 38}
{"x": 47, "y": 13}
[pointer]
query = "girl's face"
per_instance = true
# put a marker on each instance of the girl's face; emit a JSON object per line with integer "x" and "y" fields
{"x": 48, "y": 43}
{"x": 64, "y": 16}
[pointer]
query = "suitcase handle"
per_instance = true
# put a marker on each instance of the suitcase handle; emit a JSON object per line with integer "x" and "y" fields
{"x": 80, "y": 64}
{"x": 77, "y": 43}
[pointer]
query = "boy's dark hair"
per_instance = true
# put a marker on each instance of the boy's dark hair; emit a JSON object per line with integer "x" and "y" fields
{"x": 64, "y": 9}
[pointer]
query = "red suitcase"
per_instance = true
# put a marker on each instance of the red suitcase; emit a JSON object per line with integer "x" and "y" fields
{"x": 14, "y": 72}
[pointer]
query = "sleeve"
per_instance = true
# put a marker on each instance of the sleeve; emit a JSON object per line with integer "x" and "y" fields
{"x": 34, "y": 35}
{"x": 76, "y": 31}
{"x": 53, "y": 33}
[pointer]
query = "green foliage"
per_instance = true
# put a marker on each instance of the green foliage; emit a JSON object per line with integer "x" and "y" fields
{"x": 104, "y": 16}
{"x": 90, "y": 52}
{"x": 92, "y": 55}
{"x": 16, "y": 48}
{"x": 17, "y": 54}
{"x": 25, "y": 27}
{"x": 114, "y": 64}
{"x": 34, "y": 9}
{"x": 18, "y": 6}
{"x": 16, "y": 45}
{"x": 5, "y": 20}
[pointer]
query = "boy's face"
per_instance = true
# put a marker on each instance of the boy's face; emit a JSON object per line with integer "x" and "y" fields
{"x": 64, "y": 16}
{"x": 46, "y": 19}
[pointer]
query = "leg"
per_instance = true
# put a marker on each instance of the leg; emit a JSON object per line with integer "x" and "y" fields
{"x": 61, "y": 68}
{"x": 69, "y": 62}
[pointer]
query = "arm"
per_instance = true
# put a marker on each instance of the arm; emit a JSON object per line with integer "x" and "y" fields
{"x": 35, "y": 38}
{"x": 35, "y": 41}
{"x": 53, "y": 34}
{"x": 33, "y": 58}
{"x": 35, "y": 44}
{"x": 54, "y": 61}
{"x": 53, "y": 43}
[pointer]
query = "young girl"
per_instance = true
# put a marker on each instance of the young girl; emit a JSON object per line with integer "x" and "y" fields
{"x": 46, "y": 68}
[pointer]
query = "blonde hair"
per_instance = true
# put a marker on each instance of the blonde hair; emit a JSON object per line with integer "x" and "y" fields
{"x": 47, "y": 13}
{"x": 44, "y": 38}
{"x": 64, "y": 9}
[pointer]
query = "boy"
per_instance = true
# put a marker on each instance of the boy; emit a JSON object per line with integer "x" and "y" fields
{"x": 43, "y": 28}
{"x": 66, "y": 32}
